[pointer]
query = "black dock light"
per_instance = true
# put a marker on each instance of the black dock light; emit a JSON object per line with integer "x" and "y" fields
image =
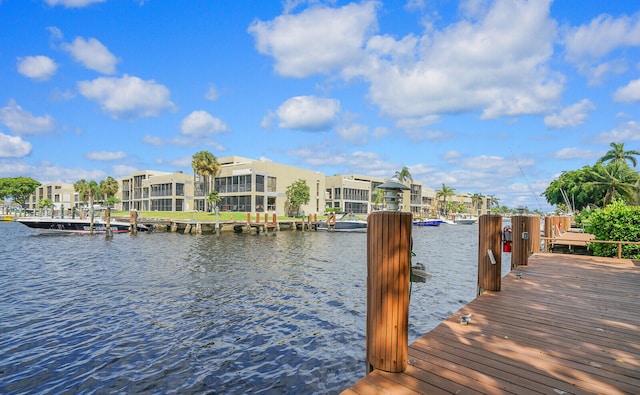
{"x": 393, "y": 193}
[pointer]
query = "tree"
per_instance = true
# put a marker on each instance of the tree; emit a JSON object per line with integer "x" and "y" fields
{"x": 403, "y": 175}
{"x": 206, "y": 165}
{"x": 377, "y": 197}
{"x": 618, "y": 179}
{"x": 45, "y": 203}
{"x": 476, "y": 202}
{"x": 618, "y": 154}
{"x": 214, "y": 198}
{"x": 577, "y": 186}
{"x": 88, "y": 191}
{"x": 298, "y": 194}
{"x": 444, "y": 193}
{"x": 18, "y": 189}
{"x": 109, "y": 187}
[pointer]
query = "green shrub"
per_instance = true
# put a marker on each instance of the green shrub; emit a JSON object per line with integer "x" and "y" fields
{"x": 616, "y": 222}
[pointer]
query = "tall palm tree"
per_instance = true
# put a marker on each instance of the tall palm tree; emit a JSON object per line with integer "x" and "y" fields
{"x": 404, "y": 175}
{"x": 206, "y": 165}
{"x": 476, "y": 202}
{"x": 88, "y": 191}
{"x": 109, "y": 187}
{"x": 444, "y": 193}
{"x": 618, "y": 154}
{"x": 618, "y": 179}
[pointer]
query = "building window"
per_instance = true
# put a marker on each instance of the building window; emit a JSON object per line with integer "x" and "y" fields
{"x": 161, "y": 205}
{"x": 259, "y": 183}
{"x": 180, "y": 189}
{"x": 259, "y": 204}
{"x": 233, "y": 184}
{"x": 161, "y": 190}
{"x": 236, "y": 203}
{"x": 179, "y": 204}
{"x": 271, "y": 184}
{"x": 336, "y": 193}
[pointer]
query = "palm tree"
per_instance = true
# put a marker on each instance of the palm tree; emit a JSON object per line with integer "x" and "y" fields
{"x": 377, "y": 197}
{"x": 618, "y": 179}
{"x": 444, "y": 193}
{"x": 206, "y": 165}
{"x": 404, "y": 175}
{"x": 618, "y": 154}
{"x": 88, "y": 191}
{"x": 476, "y": 202}
{"x": 109, "y": 187}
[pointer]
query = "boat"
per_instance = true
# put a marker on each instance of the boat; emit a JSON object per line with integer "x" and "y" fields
{"x": 75, "y": 225}
{"x": 6, "y": 217}
{"x": 426, "y": 222}
{"x": 346, "y": 223}
{"x": 465, "y": 219}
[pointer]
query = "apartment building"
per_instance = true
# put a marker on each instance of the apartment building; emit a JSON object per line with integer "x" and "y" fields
{"x": 248, "y": 185}
{"x": 63, "y": 196}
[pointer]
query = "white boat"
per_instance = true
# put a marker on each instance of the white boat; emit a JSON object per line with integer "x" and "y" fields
{"x": 465, "y": 219}
{"x": 346, "y": 223}
{"x": 75, "y": 225}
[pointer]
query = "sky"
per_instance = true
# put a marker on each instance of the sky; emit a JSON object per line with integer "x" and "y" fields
{"x": 491, "y": 97}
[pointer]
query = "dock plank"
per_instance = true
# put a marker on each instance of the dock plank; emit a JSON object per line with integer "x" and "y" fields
{"x": 570, "y": 324}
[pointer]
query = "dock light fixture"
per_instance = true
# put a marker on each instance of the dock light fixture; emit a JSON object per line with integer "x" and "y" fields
{"x": 393, "y": 193}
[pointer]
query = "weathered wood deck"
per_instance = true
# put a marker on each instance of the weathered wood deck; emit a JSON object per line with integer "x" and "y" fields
{"x": 570, "y": 325}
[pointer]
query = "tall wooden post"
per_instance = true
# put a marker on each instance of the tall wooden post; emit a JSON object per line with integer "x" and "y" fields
{"x": 388, "y": 282}
{"x": 107, "y": 215}
{"x": 133, "y": 221}
{"x": 520, "y": 250}
{"x": 489, "y": 253}
{"x": 548, "y": 232}
{"x": 533, "y": 226}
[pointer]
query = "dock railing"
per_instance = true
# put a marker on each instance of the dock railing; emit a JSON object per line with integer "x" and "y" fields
{"x": 584, "y": 242}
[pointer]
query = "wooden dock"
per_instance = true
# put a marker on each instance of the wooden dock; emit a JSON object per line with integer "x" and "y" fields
{"x": 569, "y": 325}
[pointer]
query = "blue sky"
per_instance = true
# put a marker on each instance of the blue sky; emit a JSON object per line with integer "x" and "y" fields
{"x": 491, "y": 97}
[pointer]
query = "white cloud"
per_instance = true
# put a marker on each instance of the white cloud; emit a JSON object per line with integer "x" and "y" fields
{"x": 212, "y": 93}
{"x": 588, "y": 45}
{"x": 22, "y": 122}
{"x": 308, "y": 113}
{"x": 92, "y": 54}
{"x": 73, "y": 3}
{"x": 13, "y": 146}
{"x": 201, "y": 123}
{"x": 628, "y": 131}
{"x": 127, "y": 97}
{"x": 574, "y": 115}
{"x": 354, "y": 133}
{"x": 37, "y": 67}
{"x": 105, "y": 155}
{"x": 601, "y": 36}
{"x": 317, "y": 40}
{"x": 629, "y": 93}
{"x": 576, "y": 153}
{"x": 497, "y": 64}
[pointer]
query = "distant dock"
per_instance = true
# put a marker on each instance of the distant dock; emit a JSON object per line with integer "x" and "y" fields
{"x": 563, "y": 324}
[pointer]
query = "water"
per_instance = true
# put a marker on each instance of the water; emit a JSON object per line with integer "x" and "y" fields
{"x": 171, "y": 313}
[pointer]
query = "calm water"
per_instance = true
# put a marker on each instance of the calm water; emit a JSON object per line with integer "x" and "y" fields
{"x": 171, "y": 313}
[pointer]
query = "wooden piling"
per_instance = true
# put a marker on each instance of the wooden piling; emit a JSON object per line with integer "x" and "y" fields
{"x": 388, "y": 276}
{"x": 489, "y": 253}
{"x": 520, "y": 245}
{"x": 133, "y": 221}
{"x": 533, "y": 226}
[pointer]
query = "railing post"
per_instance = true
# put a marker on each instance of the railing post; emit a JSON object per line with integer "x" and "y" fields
{"x": 489, "y": 253}
{"x": 388, "y": 282}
